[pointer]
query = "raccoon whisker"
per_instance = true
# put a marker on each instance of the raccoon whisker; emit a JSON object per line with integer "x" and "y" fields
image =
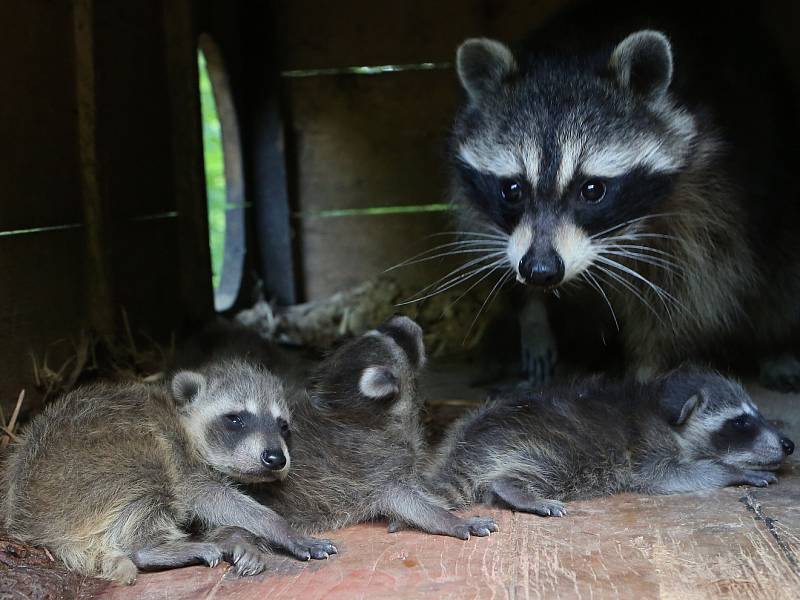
{"x": 556, "y": 293}
{"x": 644, "y": 249}
{"x": 650, "y": 260}
{"x": 407, "y": 263}
{"x": 633, "y": 237}
{"x": 493, "y": 293}
{"x": 627, "y": 285}
{"x": 451, "y": 276}
{"x": 666, "y": 257}
{"x": 590, "y": 279}
{"x": 454, "y": 282}
{"x": 455, "y": 245}
{"x": 662, "y": 294}
{"x": 474, "y": 285}
{"x": 496, "y": 235}
{"x": 632, "y": 221}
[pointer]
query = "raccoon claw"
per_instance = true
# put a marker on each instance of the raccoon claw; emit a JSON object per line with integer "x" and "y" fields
{"x": 212, "y": 555}
{"x": 756, "y": 478}
{"x": 248, "y": 561}
{"x": 308, "y": 548}
{"x": 319, "y": 549}
{"x": 538, "y": 367}
{"x": 548, "y": 508}
{"x": 461, "y": 532}
{"x": 482, "y": 526}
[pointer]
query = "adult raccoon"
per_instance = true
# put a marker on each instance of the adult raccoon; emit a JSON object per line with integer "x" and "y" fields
{"x": 658, "y": 179}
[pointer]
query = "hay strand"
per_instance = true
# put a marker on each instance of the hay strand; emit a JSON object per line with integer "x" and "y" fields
{"x": 9, "y": 429}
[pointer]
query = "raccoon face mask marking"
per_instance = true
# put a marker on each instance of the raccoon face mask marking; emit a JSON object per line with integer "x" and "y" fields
{"x": 565, "y": 156}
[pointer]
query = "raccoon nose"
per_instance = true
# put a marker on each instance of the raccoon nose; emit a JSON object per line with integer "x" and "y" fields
{"x": 543, "y": 271}
{"x": 274, "y": 460}
{"x": 787, "y": 445}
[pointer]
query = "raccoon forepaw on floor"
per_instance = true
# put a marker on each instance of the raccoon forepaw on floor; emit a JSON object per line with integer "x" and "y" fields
{"x": 781, "y": 373}
{"x": 546, "y": 508}
{"x": 318, "y": 549}
{"x": 482, "y": 526}
{"x": 246, "y": 559}
{"x": 210, "y": 554}
{"x": 755, "y": 478}
{"x": 120, "y": 570}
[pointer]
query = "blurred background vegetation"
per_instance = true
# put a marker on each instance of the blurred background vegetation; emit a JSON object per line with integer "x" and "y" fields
{"x": 215, "y": 170}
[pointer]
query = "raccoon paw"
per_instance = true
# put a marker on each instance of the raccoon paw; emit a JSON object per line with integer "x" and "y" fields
{"x": 210, "y": 554}
{"x": 539, "y": 354}
{"x": 755, "y": 478}
{"x": 538, "y": 362}
{"x": 306, "y": 548}
{"x": 248, "y": 560}
{"x": 395, "y": 526}
{"x": 482, "y": 526}
{"x": 781, "y": 373}
{"x": 547, "y": 508}
{"x": 121, "y": 570}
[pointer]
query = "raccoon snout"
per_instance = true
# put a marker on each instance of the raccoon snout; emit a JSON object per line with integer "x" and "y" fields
{"x": 544, "y": 271}
{"x": 787, "y": 445}
{"x": 273, "y": 459}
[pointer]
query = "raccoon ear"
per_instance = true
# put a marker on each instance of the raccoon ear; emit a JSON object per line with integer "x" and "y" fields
{"x": 378, "y": 383}
{"x": 186, "y": 385}
{"x": 482, "y": 64}
{"x": 678, "y": 413}
{"x": 643, "y": 63}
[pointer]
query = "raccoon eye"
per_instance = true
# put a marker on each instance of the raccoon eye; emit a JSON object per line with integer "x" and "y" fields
{"x": 593, "y": 191}
{"x": 234, "y": 419}
{"x": 742, "y": 422}
{"x": 284, "y": 427}
{"x": 511, "y": 190}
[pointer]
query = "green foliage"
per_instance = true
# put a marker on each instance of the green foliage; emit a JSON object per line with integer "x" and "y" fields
{"x": 215, "y": 170}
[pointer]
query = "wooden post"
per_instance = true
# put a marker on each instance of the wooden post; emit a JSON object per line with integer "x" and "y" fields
{"x": 98, "y": 251}
{"x": 187, "y": 156}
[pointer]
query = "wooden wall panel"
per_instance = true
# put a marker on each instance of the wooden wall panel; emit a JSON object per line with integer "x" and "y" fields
{"x": 39, "y": 177}
{"x": 133, "y": 109}
{"x": 42, "y": 302}
{"x": 340, "y": 253}
{"x": 314, "y": 34}
{"x": 147, "y": 275}
{"x": 364, "y": 141}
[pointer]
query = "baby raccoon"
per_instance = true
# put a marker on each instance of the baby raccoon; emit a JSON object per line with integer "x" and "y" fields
{"x": 110, "y": 477}
{"x": 684, "y": 432}
{"x": 357, "y": 442}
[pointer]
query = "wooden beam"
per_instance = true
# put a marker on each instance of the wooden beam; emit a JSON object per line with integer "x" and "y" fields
{"x": 98, "y": 250}
{"x": 189, "y": 188}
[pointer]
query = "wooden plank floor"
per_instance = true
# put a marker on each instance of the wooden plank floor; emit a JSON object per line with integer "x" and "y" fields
{"x": 733, "y": 543}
